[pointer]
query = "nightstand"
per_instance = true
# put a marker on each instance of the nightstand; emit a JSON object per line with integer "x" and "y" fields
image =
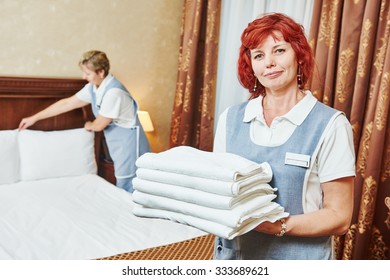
{"x": 106, "y": 170}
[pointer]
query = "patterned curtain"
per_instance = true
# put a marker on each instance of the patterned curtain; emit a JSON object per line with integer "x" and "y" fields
{"x": 193, "y": 111}
{"x": 351, "y": 44}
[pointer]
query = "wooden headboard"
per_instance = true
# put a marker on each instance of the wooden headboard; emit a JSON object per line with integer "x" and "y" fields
{"x": 21, "y": 97}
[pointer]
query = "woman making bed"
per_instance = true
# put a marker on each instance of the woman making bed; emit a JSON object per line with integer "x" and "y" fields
{"x": 115, "y": 111}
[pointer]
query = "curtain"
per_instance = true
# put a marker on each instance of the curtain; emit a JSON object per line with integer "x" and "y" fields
{"x": 193, "y": 110}
{"x": 350, "y": 40}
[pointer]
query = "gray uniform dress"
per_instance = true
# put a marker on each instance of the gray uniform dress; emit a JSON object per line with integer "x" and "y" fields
{"x": 125, "y": 145}
{"x": 289, "y": 179}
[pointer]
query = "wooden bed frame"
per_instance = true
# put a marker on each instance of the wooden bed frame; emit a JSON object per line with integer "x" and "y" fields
{"x": 23, "y": 96}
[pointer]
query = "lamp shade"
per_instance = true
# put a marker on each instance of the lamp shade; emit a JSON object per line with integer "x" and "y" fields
{"x": 145, "y": 121}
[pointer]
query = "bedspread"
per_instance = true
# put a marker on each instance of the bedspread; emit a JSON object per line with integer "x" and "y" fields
{"x": 81, "y": 217}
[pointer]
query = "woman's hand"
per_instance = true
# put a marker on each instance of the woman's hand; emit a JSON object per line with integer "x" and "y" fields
{"x": 88, "y": 126}
{"x": 27, "y": 122}
{"x": 334, "y": 218}
{"x": 98, "y": 124}
{"x": 269, "y": 228}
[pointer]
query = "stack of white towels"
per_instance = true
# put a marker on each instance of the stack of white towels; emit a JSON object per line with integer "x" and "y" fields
{"x": 220, "y": 193}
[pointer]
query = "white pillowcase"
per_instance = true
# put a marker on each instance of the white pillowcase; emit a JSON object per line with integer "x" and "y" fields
{"x": 9, "y": 157}
{"x": 53, "y": 154}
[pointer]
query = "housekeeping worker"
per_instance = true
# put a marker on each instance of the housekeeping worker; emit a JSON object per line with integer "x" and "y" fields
{"x": 115, "y": 111}
{"x": 308, "y": 145}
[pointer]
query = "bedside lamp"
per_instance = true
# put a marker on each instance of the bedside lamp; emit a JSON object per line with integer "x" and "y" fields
{"x": 145, "y": 121}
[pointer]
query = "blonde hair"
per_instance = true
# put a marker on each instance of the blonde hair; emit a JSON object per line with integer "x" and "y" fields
{"x": 95, "y": 61}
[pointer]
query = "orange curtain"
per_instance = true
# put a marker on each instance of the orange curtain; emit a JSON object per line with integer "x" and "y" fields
{"x": 193, "y": 110}
{"x": 350, "y": 40}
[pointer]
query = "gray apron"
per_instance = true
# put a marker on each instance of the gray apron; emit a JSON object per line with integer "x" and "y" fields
{"x": 289, "y": 179}
{"x": 125, "y": 145}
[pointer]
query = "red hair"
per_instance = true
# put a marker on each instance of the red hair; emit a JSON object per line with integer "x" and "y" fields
{"x": 256, "y": 32}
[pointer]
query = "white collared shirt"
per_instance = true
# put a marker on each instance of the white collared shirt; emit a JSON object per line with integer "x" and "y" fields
{"x": 115, "y": 105}
{"x": 336, "y": 157}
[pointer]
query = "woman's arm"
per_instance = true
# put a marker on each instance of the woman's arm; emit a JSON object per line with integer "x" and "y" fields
{"x": 333, "y": 219}
{"x": 59, "y": 107}
{"x": 98, "y": 124}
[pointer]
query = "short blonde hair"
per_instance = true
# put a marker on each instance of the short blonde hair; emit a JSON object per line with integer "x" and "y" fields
{"x": 95, "y": 61}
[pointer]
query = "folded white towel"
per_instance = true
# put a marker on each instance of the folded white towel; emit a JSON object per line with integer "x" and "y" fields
{"x": 209, "y": 226}
{"x": 228, "y": 188}
{"x": 199, "y": 197}
{"x": 220, "y": 193}
{"x": 194, "y": 162}
{"x": 257, "y": 207}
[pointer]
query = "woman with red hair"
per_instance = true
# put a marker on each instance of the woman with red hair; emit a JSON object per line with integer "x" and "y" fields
{"x": 308, "y": 145}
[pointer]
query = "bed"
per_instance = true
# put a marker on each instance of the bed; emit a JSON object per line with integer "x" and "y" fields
{"x": 53, "y": 203}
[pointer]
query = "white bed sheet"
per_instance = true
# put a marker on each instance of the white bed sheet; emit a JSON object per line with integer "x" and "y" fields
{"x": 82, "y": 217}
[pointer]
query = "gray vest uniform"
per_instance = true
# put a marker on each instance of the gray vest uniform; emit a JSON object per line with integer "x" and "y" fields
{"x": 125, "y": 145}
{"x": 288, "y": 179}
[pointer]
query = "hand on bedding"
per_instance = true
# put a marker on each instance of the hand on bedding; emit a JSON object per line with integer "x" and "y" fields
{"x": 88, "y": 126}
{"x": 98, "y": 124}
{"x": 27, "y": 122}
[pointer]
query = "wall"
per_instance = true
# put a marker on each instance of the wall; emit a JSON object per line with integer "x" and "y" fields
{"x": 45, "y": 38}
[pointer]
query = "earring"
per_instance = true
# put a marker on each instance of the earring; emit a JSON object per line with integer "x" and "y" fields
{"x": 299, "y": 77}
{"x": 255, "y": 86}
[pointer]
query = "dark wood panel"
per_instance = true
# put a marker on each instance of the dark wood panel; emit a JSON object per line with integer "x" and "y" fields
{"x": 106, "y": 170}
{"x": 21, "y": 97}
{"x": 14, "y": 109}
{"x": 41, "y": 87}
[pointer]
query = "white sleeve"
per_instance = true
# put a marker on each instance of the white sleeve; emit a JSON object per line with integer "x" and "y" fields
{"x": 220, "y": 134}
{"x": 336, "y": 159}
{"x": 114, "y": 103}
{"x": 84, "y": 94}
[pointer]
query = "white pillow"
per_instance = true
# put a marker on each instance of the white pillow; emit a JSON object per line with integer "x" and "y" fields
{"x": 9, "y": 157}
{"x": 53, "y": 154}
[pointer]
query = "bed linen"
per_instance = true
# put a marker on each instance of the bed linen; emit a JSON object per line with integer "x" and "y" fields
{"x": 198, "y": 197}
{"x": 220, "y": 187}
{"x": 198, "y": 188}
{"x": 77, "y": 217}
{"x": 194, "y": 162}
{"x": 235, "y": 217}
{"x": 273, "y": 212}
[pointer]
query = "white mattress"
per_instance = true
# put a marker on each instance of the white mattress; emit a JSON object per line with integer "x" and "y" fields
{"x": 81, "y": 217}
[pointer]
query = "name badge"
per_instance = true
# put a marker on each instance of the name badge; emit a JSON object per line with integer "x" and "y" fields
{"x": 297, "y": 159}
